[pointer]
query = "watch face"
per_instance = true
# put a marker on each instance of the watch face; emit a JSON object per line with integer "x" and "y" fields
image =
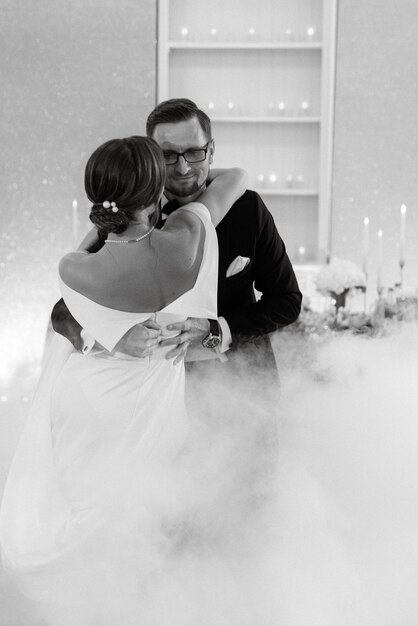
{"x": 211, "y": 341}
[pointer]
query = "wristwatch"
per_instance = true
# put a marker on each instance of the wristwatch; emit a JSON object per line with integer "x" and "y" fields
{"x": 213, "y": 339}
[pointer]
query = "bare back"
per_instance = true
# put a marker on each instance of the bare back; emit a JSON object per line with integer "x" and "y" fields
{"x": 141, "y": 276}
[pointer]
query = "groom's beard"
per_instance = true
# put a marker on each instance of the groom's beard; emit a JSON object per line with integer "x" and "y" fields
{"x": 192, "y": 187}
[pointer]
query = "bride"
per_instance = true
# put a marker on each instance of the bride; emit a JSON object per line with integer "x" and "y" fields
{"x": 83, "y": 526}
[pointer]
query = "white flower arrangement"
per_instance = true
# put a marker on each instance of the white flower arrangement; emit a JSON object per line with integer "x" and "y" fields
{"x": 339, "y": 276}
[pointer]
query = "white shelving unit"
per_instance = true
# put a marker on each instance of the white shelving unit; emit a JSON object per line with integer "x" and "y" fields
{"x": 266, "y": 79}
{"x": 179, "y": 45}
{"x": 266, "y": 120}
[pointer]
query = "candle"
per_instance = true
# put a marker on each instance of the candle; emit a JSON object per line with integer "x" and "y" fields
{"x": 75, "y": 224}
{"x": 310, "y": 31}
{"x": 379, "y": 259}
{"x": 304, "y": 105}
{"x": 402, "y": 235}
{"x": 301, "y": 253}
{"x": 365, "y": 243}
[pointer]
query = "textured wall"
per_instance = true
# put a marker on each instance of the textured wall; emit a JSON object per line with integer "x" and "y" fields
{"x": 73, "y": 74}
{"x": 376, "y": 126}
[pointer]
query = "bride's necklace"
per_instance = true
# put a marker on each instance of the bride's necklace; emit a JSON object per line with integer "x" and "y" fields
{"x": 131, "y": 240}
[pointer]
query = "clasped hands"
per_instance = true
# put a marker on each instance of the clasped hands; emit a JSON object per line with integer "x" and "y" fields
{"x": 142, "y": 339}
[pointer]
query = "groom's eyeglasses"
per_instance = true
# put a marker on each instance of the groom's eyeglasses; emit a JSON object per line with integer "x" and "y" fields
{"x": 191, "y": 156}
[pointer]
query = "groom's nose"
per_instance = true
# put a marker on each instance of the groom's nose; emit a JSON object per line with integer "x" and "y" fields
{"x": 182, "y": 167}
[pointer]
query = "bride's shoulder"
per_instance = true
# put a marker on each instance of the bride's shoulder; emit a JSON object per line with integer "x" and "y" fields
{"x": 74, "y": 267}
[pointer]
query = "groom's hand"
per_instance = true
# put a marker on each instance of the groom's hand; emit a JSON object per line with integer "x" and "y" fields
{"x": 192, "y": 331}
{"x": 140, "y": 340}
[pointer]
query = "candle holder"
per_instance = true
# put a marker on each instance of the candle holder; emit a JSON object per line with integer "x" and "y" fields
{"x": 281, "y": 107}
{"x": 231, "y": 107}
{"x": 304, "y": 107}
{"x": 365, "y": 303}
{"x": 271, "y": 108}
{"x": 75, "y": 223}
{"x": 272, "y": 179}
{"x": 401, "y": 266}
{"x": 310, "y": 33}
{"x": 301, "y": 254}
{"x": 289, "y": 181}
{"x": 378, "y": 312}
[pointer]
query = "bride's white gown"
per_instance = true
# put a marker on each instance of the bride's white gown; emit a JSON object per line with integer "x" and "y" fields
{"x": 82, "y": 524}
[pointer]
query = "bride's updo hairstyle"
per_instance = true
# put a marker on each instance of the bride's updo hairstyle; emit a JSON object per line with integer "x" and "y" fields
{"x": 122, "y": 176}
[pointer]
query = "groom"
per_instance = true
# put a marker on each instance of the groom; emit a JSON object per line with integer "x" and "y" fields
{"x": 251, "y": 254}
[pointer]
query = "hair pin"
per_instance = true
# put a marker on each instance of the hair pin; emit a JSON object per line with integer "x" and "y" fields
{"x": 106, "y": 204}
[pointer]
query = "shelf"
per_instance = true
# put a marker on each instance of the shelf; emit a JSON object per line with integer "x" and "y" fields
{"x": 253, "y": 119}
{"x": 196, "y": 45}
{"x": 238, "y": 74}
{"x": 287, "y": 192}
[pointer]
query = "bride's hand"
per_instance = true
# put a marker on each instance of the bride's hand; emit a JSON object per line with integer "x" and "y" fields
{"x": 140, "y": 340}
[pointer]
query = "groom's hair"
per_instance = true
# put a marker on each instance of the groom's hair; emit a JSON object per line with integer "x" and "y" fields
{"x": 178, "y": 110}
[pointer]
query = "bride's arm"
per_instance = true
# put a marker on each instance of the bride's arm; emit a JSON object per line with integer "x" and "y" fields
{"x": 90, "y": 241}
{"x": 226, "y": 186}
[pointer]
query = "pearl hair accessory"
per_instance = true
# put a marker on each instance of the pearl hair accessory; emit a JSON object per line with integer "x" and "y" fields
{"x": 107, "y": 205}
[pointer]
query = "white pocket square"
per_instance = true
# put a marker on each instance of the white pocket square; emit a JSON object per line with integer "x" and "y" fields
{"x": 237, "y": 265}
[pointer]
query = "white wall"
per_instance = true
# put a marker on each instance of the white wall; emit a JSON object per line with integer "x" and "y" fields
{"x": 376, "y": 128}
{"x": 73, "y": 74}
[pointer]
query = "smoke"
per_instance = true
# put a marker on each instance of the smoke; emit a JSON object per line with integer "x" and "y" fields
{"x": 300, "y": 511}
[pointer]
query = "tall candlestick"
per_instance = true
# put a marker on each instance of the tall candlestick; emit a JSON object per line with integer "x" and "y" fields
{"x": 402, "y": 234}
{"x": 365, "y": 258}
{"x": 379, "y": 260}
{"x": 365, "y": 244}
{"x": 75, "y": 224}
{"x": 402, "y": 240}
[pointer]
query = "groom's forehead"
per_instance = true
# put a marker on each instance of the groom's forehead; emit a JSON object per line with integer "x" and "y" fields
{"x": 179, "y": 135}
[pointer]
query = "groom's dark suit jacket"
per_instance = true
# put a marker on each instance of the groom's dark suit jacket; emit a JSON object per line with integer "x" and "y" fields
{"x": 248, "y": 230}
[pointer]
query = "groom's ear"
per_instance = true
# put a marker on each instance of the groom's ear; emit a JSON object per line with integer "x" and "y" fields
{"x": 211, "y": 151}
